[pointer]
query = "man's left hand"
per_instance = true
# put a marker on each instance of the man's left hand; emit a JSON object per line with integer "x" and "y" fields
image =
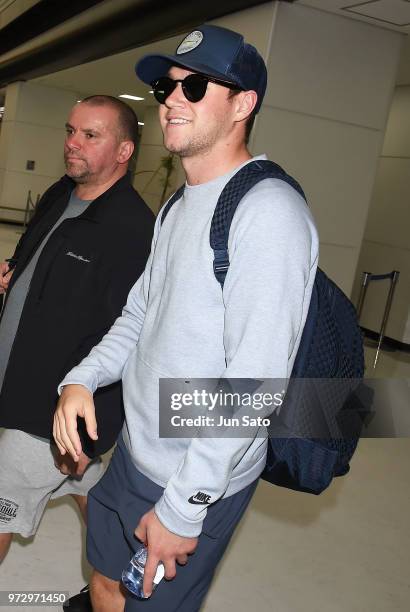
{"x": 163, "y": 545}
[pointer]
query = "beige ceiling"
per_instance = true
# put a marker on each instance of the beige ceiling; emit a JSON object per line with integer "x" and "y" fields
{"x": 115, "y": 75}
{"x": 391, "y": 14}
{"x": 380, "y": 13}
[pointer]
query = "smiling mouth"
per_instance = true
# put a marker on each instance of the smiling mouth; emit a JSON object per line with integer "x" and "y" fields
{"x": 178, "y": 121}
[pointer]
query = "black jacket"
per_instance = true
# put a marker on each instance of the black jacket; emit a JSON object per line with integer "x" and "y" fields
{"x": 79, "y": 286}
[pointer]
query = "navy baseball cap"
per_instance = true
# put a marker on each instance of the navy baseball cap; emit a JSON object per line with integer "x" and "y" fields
{"x": 215, "y": 52}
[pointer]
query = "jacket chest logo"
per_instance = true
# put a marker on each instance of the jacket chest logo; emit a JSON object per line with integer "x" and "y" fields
{"x": 79, "y": 257}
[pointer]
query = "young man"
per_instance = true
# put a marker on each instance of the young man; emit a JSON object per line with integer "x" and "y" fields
{"x": 178, "y": 323}
{"x": 66, "y": 283}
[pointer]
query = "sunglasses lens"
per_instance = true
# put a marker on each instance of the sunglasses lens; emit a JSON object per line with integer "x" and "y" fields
{"x": 194, "y": 87}
{"x": 163, "y": 88}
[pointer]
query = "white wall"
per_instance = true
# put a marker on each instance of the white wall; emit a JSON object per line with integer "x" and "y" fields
{"x": 386, "y": 244}
{"x": 330, "y": 85}
{"x": 32, "y": 129}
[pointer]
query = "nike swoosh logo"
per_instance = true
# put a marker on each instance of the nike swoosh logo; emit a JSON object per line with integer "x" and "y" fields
{"x": 194, "y": 501}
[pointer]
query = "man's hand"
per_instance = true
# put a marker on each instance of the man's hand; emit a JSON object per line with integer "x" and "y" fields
{"x": 5, "y": 276}
{"x": 66, "y": 465}
{"x": 163, "y": 545}
{"x": 75, "y": 401}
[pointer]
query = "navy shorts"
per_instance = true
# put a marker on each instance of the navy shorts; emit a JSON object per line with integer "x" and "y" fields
{"x": 115, "y": 506}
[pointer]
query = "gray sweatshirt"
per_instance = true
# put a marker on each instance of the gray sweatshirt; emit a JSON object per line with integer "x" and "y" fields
{"x": 178, "y": 323}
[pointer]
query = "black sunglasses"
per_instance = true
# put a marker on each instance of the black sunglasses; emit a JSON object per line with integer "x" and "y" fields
{"x": 194, "y": 87}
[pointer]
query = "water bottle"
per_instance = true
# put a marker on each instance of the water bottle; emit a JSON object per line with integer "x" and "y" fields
{"x": 133, "y": 575}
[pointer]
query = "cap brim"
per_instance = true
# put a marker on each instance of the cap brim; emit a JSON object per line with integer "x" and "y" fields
{"x": 152, "y": 67}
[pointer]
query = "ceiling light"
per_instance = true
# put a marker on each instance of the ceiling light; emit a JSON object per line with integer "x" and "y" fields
{"x": 141, "y": 123}
{"x": 129, "y": 97}
{"x": 151, "y": 91}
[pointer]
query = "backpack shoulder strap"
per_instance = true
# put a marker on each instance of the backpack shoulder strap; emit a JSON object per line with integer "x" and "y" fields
{"x": 177, "y": 195}
{"x": 228, "y": 201}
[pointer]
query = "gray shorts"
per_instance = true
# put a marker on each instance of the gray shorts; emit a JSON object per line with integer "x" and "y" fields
{"x": 29, "y": 478}
{"x": 115, "y": 507}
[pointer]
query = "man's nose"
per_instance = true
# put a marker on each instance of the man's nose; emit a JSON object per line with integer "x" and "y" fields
{"x": 176, "y": 97}
{"x": 73, "y": 141}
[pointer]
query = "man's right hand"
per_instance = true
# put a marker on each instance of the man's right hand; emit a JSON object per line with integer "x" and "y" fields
{"x": 75, "y": 401}
{"x": 66, "y": 465}
{"x": 5, "y": 276}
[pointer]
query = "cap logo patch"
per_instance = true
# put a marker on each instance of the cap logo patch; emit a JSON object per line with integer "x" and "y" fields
{"x": 190, "y": 42}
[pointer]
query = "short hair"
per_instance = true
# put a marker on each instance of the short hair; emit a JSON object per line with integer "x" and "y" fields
{"x": 127, "y": 118}
{"x": 249, "y": 120}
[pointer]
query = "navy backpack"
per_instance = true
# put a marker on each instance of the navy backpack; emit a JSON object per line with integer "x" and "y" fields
{"x": 331, "y": 347}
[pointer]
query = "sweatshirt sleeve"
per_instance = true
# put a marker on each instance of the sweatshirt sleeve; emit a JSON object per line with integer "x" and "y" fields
{"x": 273, "y": 249}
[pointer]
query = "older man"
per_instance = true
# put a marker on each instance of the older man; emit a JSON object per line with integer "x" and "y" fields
{"x": 66, "y": 283}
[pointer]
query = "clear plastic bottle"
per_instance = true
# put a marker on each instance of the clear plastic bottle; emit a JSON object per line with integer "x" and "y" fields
{"x": 133, "y": 575}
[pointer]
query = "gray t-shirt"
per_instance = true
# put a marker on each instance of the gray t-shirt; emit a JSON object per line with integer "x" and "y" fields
{"x": 15, "y": 301}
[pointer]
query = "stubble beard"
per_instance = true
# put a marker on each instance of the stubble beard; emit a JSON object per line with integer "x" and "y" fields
{"x": 79, "y": 174}
{"x": 199, "y": 144}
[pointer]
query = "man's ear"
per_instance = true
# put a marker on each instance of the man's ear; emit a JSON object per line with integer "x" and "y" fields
{"x": 126, "y": 149}
{"x": 246, "y": 102}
